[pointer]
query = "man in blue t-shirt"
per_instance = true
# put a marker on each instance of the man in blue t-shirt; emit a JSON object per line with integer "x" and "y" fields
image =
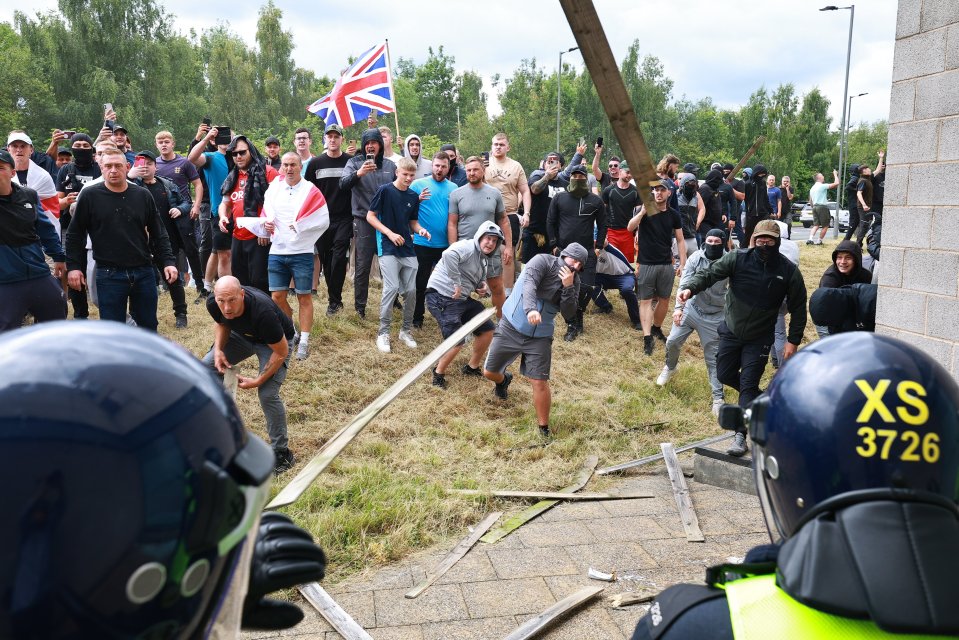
{"x": 215, "y": 170}
{"x": 393, "y": 213}
{"x": 433, "y": 216}
{"x": 775, "y": 198}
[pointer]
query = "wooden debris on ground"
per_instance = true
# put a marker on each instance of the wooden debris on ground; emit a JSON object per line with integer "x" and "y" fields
{"x": 333, "y": 613}
{"x": 537, "y": 624}
{"x": 454, "y": 556}
{"x": 681, "y": 493}
{"x": 658, "y": 456}
{"x": 630, "y": 598}
{"x": 550, "y": 495}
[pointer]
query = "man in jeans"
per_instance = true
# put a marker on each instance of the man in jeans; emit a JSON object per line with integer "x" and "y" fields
{"x": 249, "y": 323}
{"x": 127, "y": 234}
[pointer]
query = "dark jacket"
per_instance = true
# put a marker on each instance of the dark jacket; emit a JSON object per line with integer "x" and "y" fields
{"x": 572, "y": 219}
{"x": 833, "y": 278}
{"x": 363, "y": 188}
{"x": 173, "y": 195}
{"x": 757, "y": 198}
{"x": 756, "y": 292}
{"x": 25, "y": 234}
{"x": 256, "y": 182}
{"x": 874, "y": 239}
{"x": 848, "y": 308}
{"x": 539, "y": 288}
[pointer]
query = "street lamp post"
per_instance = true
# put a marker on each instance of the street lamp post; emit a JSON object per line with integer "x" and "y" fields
{"x": 559, "y": 85}
{"x": 849, "y": 123}
{"x": 842, "y": 128}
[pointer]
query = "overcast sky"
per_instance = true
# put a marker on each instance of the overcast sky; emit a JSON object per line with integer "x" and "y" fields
{"x": 715, "y": 48}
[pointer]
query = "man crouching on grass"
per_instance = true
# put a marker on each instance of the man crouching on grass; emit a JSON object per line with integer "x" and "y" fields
{"x": 547, "y": 286}
{"x": 462, "y": 269}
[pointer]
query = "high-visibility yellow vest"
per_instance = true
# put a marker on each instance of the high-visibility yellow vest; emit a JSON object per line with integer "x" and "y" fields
{"x": 760, "y": 610}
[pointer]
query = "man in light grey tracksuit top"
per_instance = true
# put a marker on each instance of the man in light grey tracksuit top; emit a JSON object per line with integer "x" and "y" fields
{"x": 462, "y": 269}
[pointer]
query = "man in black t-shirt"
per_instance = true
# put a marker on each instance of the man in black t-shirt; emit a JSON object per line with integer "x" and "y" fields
{"x": 325, "y": 171}
{"x": 655, "y": 274}
{"x": 248, "y": 323}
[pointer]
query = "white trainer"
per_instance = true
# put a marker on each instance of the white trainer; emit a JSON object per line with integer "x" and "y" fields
{"x": 407, "y": 339}
{"x": 383, "y": 342}
{"x": 716, "y": 405}
{"x": 664, "y": 377}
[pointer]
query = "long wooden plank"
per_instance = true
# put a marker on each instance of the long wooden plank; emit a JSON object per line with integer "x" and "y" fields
{"x": 681, "y": 492}
{"x": 598, "y": 56}
{"x": 551, "y": 495}
{"x": 749, "y": 154}
{"x": 659, "y": 456}
{"x": 337, "y": 443}
{"x": 532, "y": 627}
{"x": 333, "y": 613}
{"x": 521, "y": 518}
{"x": 454, "y": 556}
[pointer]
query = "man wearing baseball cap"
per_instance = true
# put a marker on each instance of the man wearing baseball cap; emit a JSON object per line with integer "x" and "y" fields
{"x": 26, "y": 285}
{"x": 272, "y": 157}
{"x": 760, "y": 279}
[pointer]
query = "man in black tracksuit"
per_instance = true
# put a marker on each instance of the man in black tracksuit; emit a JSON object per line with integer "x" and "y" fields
{"x": 572, "y": 216}
{"x": 759, "y": 280}
{"x": 757, "y": 201}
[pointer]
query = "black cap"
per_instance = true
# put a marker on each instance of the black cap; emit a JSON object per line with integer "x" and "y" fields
{"x": 65, "y": 150}
{"x": 854, "y": 169}
{"x": 578, "y": 169}
{"x": 6, "y": 158}
{"x": 147, "y": 154}
{"x": 689, "y": 167}
{"x": 119, "y": 127}
{"x": 271, "y": 140}
{"x": 728, "y": 166}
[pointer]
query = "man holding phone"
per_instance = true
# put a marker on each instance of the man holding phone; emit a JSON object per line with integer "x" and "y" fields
{"x": 215, "y": 168}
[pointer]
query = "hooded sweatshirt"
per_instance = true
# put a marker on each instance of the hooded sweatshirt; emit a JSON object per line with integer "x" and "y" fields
{"x": 423, "y": 166}
{"x": 464, "y": 263}
{"x": 712, "y": 200}
{"x": 846, "y": 308}
{"x": 363, "y": 188}
{"x": 688, "y": 206}
{"x": 25, "y": 234}
{"x": 708, "y": 301}
{"x": 757, "y": 199}
{"x": 833, "y": 278}
{"x": 539, "y": 287}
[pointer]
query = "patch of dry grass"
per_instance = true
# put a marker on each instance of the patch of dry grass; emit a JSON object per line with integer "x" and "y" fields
{"x": 384, "y": 496}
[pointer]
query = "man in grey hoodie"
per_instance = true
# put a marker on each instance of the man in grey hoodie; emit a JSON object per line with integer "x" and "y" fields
{"x": 413, "y": 149}
{"x": 461, "y": 270}
{"x": 365, "y": 172}
{"x": 548, "y": 285}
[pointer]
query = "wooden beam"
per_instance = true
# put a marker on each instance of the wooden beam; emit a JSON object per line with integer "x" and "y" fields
{"x": 333, "y": 613}
{"x": 626, "y": 599}
{"x": 598, "y": 56}
{"x": 337, "y": 443}
{"x": 453, "y": 557}
{"x": 749, "y": 154}
{"x": 521, "y": 518}
{"x": 532, "y": 627}
{"x": 681, "y": 493}
{"x": 550, "y": 495}
{"x": 658, "y": 456}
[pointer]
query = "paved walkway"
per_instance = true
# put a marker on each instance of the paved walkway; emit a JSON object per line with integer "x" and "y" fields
{"x": 496, "y": 587}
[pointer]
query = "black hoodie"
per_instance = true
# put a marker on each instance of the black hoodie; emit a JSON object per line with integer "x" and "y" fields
{"x": 363, "y": 187}
{"x": 757, "y": 198}
{"x": 256, "y": 183}
{"x": 712, "y": 200}
{"x": 832, "y": 278}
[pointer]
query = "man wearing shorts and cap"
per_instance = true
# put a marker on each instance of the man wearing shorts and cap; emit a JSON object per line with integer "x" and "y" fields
{"x": 655, "y": 273}
{"x": 760, "y": 279}
{"x": 547, "y": 286}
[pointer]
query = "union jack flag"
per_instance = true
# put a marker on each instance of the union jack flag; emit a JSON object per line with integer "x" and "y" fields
{"x": 365, "y": 86}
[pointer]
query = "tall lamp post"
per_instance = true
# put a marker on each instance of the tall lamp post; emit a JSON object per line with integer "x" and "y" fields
{"x": 849, "y": 123}
{"x": 842, "y": 128}
{"x": 559, "y": 86}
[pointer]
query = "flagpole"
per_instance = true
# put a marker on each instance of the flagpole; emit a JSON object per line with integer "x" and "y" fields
{"x": 396, "y": 118}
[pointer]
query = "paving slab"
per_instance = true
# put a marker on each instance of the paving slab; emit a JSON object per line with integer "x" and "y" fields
{"x": 590, "y": 621}
{"x": 555, "y": 534}
{"x": 628, "y": 529}
{"x": 531, "y": 563}
{"x": 478, "y": 629}
{"x": 439, "y": 603}
{"x": 506, "y": 597}
{"x": 607, "y": 557}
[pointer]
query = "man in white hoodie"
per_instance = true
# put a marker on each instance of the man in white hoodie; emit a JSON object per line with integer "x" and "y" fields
{"x": 295, "y": 216}
{"x": 413, "y": 149}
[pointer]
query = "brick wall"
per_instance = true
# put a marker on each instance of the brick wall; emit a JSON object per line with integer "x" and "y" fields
{"x": 919, "y": 272}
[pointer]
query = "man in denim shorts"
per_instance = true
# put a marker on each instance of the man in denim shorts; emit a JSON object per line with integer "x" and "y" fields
{"x": 462, "y": 269}
{"x": 295, "y": 216}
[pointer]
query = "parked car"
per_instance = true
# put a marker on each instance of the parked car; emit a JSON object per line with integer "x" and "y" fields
{"x": 805, "y": 216}
{"x": 795, "y": 209}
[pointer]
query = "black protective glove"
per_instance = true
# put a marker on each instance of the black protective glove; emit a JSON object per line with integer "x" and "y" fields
{"x": 284, "y": 556}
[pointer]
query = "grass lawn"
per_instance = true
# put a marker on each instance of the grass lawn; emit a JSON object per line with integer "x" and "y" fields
{"x": 384, "y": 496}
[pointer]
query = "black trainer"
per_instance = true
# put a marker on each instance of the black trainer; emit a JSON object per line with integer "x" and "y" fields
{"x": 417, "y": 324}
{"x": 361, "y": 312}
{"x": 439, "y": 379}
{"x": 284, "y": 461}
{"x": 658, "y": 334}
{"x": 333, "y": 308}
{"x": 604, "y": 310}
{"x": 638, "y": 326}
{"x": 571, "y": 332}
{"x": 201, "y": 296}
{"x": 738, "y": 448}
{"x": 648, "y": 345}
{"x": 544, "y": 431}
{"x": 501, "y": 388}
{"x": 181, "y": 321}
{"x": 470, "y": 371}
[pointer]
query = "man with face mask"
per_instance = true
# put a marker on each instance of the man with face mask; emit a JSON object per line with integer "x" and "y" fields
{"x": 759, "y": 281}
{"x": 572, "y": 216}
{"x": 702, "y": 314}
{"x": 757, "y": 200}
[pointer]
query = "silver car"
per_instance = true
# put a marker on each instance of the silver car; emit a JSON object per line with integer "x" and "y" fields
{"x": 805, "y": 216}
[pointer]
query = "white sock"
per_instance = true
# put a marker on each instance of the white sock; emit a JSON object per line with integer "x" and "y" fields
{"x": 304, "y": 339}
{"x": 207, "y": 285}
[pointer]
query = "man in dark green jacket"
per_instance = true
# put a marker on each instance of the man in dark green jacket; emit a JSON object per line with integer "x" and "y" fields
{"x": 759, "y": 280}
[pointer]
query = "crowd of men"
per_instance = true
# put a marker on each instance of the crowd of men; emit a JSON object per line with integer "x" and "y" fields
{"x": 246, "y": 229}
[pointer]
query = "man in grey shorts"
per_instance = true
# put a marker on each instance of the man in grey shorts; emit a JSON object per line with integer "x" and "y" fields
{"x": 655, "y": 273}
{"x": 548, "y": 285}
{"x": 471, "y": 205}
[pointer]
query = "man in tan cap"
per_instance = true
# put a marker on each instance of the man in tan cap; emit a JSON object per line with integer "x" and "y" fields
{"x": 759, "y": 280}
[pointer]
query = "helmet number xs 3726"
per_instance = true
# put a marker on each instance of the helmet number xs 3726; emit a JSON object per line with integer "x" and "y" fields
{"x": 911, "y": 409}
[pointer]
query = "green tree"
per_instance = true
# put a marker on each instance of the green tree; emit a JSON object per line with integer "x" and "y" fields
{"x": 26, "y": 98}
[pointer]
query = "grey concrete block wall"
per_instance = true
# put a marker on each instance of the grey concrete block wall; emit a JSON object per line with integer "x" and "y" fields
{"x": 919, "y": 272}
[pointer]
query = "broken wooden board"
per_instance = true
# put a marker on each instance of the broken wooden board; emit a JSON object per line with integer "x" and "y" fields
{"x": 749, "y": 154}
{"x": 658, "y": 456}
{"x": 532, "y": 627}
{"x": 681, "y": 493}
{"x": 337, "y": 443}
{"x": 521, "y": 518}
{"x": 333, "y": 613}
{"x": 454, "y": 556}
{"x": 626, "y": 599}
{"x": 551, "y": 495}
{"x": 598, "y": 56}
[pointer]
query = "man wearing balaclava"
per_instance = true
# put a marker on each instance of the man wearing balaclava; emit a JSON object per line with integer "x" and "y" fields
{"x": 701, "y": 314}
{"x": 759, "y": 280}
{"x": 757, "y": 200}
{"x": 573, "y": 215}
